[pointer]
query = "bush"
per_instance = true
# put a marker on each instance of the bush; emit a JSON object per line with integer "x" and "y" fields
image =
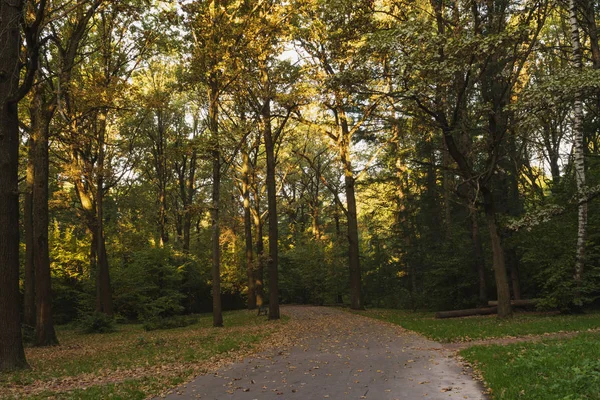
{"x": 96, "y": 323}
{"x": 148, "y": 285}
{"x": 170, "y": 323}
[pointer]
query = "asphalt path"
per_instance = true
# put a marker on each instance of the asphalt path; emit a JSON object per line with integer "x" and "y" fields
{"x": 340, "y": 355}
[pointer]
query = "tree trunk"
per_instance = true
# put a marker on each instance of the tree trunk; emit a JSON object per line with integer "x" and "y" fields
{"x": 514, "y": 274}
{"x": 273, "y": 260}
{"x": 314, "y": 207}
{"x": 213, "y": 114}
{"x": 103, "y": 288}
{"x": 28, "y": 281}
{"x": 44, "y": 325}
{"x": 161, "y": 172}
{"x": 578, "y": 148}
{"x": 187, "y": 212}
{"x": 447, "y": 191}
{"x": 260, "y": 247}
{"x": 502, "y": 288}
{"x": 353, "y": 251}
{"x": 478, "y": 257}
{"x": 248, "y": 231}
{"x": 12, "y": 355}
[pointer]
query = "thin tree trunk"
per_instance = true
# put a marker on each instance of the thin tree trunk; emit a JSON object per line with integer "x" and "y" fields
{"x": 353, "y": 251}
{"x": 187, "y": 216}
{"x": 578, "y": 148}
{"x": 447, "y": 190}
{"x": 248, "y": 231}
{"x": 273, "y": 260}
{"x": 316, "y": 225}
{"x": 478, "y": 258}
{"x": 44, "y": 325}
{"x": 502, "y": 288}
{"x": 514, "y": 275}
{"x": 260, "y": 247}
{"x": 29, "y": 278}
{"x": 216, "y": 193}
{"x": 12, "y": 355}
{"x": 103, "y": 288}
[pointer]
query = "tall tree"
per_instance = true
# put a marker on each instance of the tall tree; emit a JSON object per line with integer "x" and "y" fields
{"x": 332, "y": 35}
{"x": 12, "y": 90}
{"x": 579, "y": 153}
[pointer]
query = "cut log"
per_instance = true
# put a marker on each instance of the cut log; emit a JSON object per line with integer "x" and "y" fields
{"x": 466, "y": 313}
{"x": 516, "y": 303}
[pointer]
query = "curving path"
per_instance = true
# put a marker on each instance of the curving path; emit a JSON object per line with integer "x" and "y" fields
{"x": 338, "y": 355}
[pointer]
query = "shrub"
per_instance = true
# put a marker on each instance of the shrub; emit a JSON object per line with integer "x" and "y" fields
{"x": 170, "y": 323}
{"x": 96, "y": 323}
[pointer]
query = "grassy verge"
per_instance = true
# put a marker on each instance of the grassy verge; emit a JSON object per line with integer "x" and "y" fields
{"x": 132, "y": 363}
{"x": 553, "y": 369}
{"x": 483, "y": 327}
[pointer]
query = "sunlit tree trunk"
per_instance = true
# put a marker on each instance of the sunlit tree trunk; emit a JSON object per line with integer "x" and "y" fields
{"x": 213, "y": 114}
{"x": 103, "y": 287}
{"x": 250, "y": 273}
{"x": 353, "y": 249}
{"x": 578, "y": 150}
{"x": 189, "y": 198}
{"x": 260, "y": 246}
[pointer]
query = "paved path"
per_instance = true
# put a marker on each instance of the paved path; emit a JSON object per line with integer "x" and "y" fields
{"x": 339, "y": 355}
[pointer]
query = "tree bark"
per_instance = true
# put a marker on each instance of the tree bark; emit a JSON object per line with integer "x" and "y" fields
{"x": 578, "y": 149}
{"x": 353, "y": 250}
{"x": 29, "y": 278}
{"x": 213, "y": 114}
{"x": 478, "y": 257}
{"x": 103, "y": 287}
{"x": 44, "y": 325}
{"x": 502, "y": 288}
{"x": 189, "y": 198}
{"x": 260, "y": 246}
{"x": 12, "y": 355}
{"x": 273, "y": 260}
{"x": 250, "y": 273}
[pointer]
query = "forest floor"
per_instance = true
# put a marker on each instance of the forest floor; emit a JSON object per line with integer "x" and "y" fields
{"x": 339, "y": 355}
{"x": 320, "y": 352}
{"x": 131, "y": 363}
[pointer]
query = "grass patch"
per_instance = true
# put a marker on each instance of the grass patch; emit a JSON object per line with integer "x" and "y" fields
{"x": 553, "y": 369}
{"x": 131, "y": 362}
{"x": 482, "y": 327}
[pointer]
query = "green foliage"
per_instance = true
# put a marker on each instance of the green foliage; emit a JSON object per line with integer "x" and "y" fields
{"x": 96, "y": 323}
{"x": 553, "y": 369}
{"x": 177, "y": 321}
{"x": 148, "y": 286}
{"x": 311, "y": 272}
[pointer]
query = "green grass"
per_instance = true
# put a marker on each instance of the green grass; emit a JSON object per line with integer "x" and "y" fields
{"x": 553, "y": 369}
{"x": 482, "y": 327}
{"x": 128, "y": 359}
